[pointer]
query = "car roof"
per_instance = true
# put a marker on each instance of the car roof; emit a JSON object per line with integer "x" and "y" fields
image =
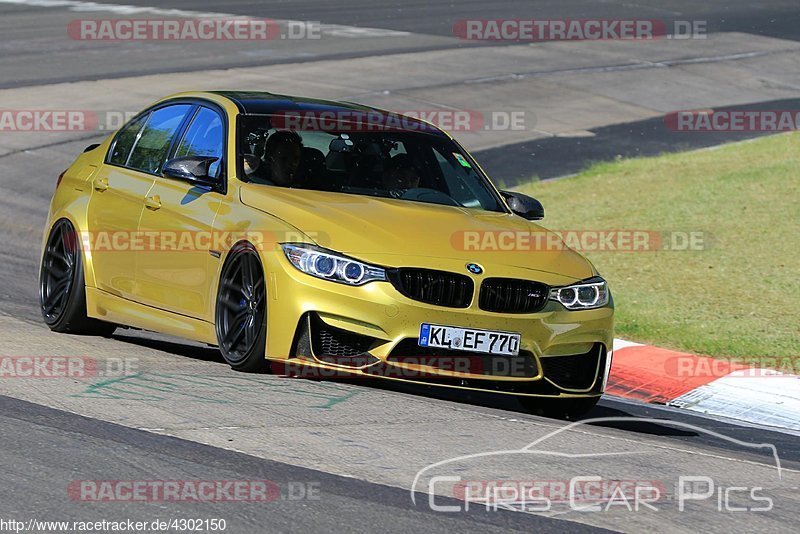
{"x": 264, "y": 103}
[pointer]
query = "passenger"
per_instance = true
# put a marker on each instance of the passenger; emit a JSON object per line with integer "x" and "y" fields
{"x": 280, "y": 162}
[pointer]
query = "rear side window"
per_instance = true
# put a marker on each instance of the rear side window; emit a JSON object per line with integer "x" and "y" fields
{"x": 125, "y": 140}
{"x": 156, "y": 138}
{"x": 204, "y": 137}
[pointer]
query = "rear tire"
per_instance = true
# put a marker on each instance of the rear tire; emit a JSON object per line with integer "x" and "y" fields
{"x": 570, "y": 409}
{"x": 62, "y": 287}
{"x": 241, "y": 316}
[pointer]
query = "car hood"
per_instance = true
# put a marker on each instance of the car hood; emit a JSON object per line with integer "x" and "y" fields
{"x": 369, "y": 227}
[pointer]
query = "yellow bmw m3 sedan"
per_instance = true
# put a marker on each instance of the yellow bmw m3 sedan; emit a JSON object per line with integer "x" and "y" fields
{"x": 323, "y": 239}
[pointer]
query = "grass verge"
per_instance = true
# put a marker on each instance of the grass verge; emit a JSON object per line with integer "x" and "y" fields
{"x": 740, "y": 295}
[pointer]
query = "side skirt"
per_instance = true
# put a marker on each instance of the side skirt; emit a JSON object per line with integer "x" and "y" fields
{"x": 108, "y": 307}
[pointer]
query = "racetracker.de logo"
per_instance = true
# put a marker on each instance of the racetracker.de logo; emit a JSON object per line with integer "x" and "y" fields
{"x": 545, "y": 492}
{"x": 47, "y": 120}
{"x": 64, "y": 367}
{"x": 589, "y": 240}
{"x": 733, "y": 120}
{"x": 187, "y": 240}
{"x": 204, "y": 29}
{"x": 572, "y": 29}
{"x": 453, "y": 120}
{"x": 406, "y": 367}
{"x": 174, "y": 491}
{"x": 690, "y": 366}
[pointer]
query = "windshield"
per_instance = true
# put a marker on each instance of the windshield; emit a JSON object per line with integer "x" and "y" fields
{"x": 407, "y": 165}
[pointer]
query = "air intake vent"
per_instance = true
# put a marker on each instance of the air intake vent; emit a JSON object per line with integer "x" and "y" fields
{"x": 328, "y": 341}
{"x": 578, "y": 371}
{"x": 507, "y": 295}
{"x": 440, "y": 288}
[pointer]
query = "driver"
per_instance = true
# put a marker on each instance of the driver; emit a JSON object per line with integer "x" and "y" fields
{"x": 400, "y": 173}
{"x": 280, "y": 162}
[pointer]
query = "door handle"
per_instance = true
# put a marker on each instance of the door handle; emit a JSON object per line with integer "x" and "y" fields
{"x": 153, "y": 202}
{"x": 101, "y": 184}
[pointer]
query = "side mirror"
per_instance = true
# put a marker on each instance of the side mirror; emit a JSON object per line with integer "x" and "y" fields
{"x": 192, "y": 169}
{"x": 526, "y": 207}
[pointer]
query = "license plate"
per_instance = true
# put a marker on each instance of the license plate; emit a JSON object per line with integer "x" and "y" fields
{"x": 468, "y": 339}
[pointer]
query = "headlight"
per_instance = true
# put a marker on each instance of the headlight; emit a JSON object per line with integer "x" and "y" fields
{"x": 592, "y": 293}
{"x": 331, "y": 266}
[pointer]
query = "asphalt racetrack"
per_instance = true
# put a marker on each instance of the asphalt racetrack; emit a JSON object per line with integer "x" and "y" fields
{"x": 362, "y": 456}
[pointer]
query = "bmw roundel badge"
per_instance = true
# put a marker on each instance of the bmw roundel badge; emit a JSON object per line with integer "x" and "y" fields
{"x": 474, "y": 268}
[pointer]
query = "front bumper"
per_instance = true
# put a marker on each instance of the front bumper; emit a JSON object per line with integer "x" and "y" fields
{"x": 319, "y": 328}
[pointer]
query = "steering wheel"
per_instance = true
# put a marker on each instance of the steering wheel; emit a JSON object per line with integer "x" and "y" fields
{"x": 397, "y": 192}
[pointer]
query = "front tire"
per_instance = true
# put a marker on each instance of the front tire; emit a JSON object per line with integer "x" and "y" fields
{"x": 570, "y": 409}
{"x": 241, "y": 314}
{"x": 62, "y": 287}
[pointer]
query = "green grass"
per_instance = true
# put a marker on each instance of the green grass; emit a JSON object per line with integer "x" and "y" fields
{"x": 740, "y": 296}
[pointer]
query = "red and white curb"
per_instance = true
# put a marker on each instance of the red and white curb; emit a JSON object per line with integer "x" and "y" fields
{"x": 705, "y": 385}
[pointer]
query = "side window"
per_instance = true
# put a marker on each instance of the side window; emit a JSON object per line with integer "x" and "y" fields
{"x": 204, "y": 137}
{"x": 125, "y": 140}
{"x": 149, "y": 152}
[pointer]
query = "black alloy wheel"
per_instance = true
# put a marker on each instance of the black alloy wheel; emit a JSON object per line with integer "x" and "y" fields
{"x": 241, "y": 310}
{"x": 62, "y": 289}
